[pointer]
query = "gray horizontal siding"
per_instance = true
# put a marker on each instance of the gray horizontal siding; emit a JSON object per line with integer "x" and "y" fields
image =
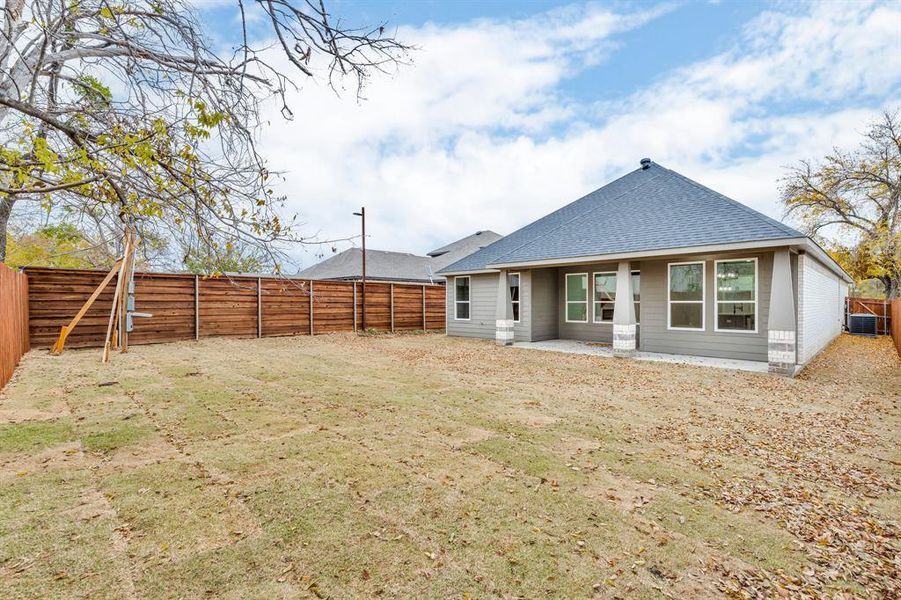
{"x": 544, "y": 304}
{"x": 483, "y": 308}
{"x": 590, "y": 331}
{"x": 655, "y": 337}
{"x": 544, "y": 300}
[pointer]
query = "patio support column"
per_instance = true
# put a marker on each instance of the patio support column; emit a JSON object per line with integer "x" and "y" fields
{"x": 504, "y": 324}
{"x": 624, "y": 313}
{"x": 781, "y": 327}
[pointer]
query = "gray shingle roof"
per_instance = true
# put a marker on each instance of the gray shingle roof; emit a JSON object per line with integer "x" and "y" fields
{"x": 380, "y": 264}
{"x": 647, "y": 209}
{"x": 451, "y": 253}
{"x": 397, "y": 266}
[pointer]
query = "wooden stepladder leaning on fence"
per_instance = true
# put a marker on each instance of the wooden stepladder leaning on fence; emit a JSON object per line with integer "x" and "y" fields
{"x": 117, "y": 328}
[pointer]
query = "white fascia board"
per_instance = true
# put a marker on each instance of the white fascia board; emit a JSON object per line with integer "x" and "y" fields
{"x": 655, "y": 253}
{"x": 470, "y": 272}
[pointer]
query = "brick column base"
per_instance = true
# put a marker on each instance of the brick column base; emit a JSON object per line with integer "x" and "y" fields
{"x": 781, "y": 352}
{"x": 503, "y": 335}
{"x": 623, "y": 340}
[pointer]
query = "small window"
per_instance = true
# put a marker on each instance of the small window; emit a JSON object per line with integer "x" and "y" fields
{"x": 577, "y": 297}
{"x": 686, "y": 296}
{"x": 736, "y": 295}
{"x": 461, "y": 298}
{"x": 636, "y": 294}
{"x": 513, "y": 280}
{"x": 605, "y": 296}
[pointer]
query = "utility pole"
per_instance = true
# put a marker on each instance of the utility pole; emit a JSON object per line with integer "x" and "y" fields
{"x": 362, "y": 215}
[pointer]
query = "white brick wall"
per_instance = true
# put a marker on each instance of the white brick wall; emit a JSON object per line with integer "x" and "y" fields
{"x": 821, "y": 306}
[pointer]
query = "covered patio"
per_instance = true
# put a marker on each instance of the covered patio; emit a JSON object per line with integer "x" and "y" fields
{"x": 606, "y": 350}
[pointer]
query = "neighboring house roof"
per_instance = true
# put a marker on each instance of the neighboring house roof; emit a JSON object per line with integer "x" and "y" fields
{"x": 380, "y": 264}
{"x": 648, "y": 209}
{"x": 397, "y": 266}
{"x": 451, "y": 253}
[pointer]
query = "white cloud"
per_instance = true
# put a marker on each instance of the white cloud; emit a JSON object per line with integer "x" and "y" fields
{"x": 477, "y": 134}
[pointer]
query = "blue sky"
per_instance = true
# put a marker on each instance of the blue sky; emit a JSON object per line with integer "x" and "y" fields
{"x": 512, "y": 109}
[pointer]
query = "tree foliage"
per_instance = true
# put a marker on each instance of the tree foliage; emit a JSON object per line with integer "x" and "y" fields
{"x": 125, "y": 112}
{"x": 60, "y": 245}
{"x": 850, "y": 201}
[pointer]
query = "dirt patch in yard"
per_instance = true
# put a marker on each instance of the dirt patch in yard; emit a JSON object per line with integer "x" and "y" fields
{"x": 427, "y": 466}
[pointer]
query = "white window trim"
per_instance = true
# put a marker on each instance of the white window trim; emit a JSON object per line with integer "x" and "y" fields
{"x": 634, "y": 301}
{"x": 519, "y": 302}
{"x": 670, "y": 301}
{"x": 566, "y": 295}
{"x": 717, "y": 300}
{"x": 467, "y": 301}
{"x": 594, "y": 302}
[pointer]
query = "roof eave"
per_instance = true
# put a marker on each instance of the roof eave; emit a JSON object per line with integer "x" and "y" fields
{"x": 747, "y": 245}
{"x": 823, "y": 256}
{"x": 465, "y": 272}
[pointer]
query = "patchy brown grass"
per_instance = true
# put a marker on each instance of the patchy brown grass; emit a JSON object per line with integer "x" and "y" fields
{"x": 414, "y": 466}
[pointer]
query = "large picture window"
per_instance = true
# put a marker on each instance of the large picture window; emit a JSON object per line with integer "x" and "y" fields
{"x": 686, "y": 296}
{"x": 461, "y": 298}
{"x": 605, "y": 296}
{"x": 736, "y": 295}
{"x": 513, "y": 281}
{"x": 577, "y": 297}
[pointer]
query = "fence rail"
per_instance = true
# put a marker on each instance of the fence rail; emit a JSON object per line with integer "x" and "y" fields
{"x": 13, "y": 320}
{"x": 188, "y": 307}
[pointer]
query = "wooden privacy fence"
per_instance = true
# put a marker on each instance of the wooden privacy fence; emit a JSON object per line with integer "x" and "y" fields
{"x": 13, "y": 320}
{"x": 896, "y": 324}
{"x": 881, "y": 309}
{"x": 188, "y": 307}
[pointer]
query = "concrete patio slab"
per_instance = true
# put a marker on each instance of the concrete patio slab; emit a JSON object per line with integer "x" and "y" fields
{"x": 596, "y": 349}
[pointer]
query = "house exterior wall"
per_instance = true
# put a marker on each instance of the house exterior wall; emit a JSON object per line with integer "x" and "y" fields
{"x": 544, "y": 304}
{"x": 483, "y": 307}
{"x": 821, "y": 300}
{"x": 590, "y": 331}
{"x": 652, "y": 332}
{"x": 655, "y": 337}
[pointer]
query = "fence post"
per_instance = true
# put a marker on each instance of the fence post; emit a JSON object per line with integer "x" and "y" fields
{"x": 259, "y": 308}
{"x": 424, "y": 322}
{"x": 392, "y": 308}
{"x": 355, "y": 306}
{"x": 196, "y": 307}
{"x": 311, "y": 307}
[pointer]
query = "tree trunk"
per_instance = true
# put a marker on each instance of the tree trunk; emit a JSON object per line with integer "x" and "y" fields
{"x": 892, "y": 287}
{"x": 6, "y": 207}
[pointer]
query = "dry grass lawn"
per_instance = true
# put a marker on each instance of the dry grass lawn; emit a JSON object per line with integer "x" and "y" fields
{"x": 425, "y": 466}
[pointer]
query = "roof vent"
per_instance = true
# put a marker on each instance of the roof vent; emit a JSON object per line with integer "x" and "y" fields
{"x": 645, "y": 164}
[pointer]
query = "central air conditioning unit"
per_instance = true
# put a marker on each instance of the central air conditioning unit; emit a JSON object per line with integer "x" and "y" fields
{"x": 862, "y": 324}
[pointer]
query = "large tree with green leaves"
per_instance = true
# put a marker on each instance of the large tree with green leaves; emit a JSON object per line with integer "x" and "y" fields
{"x": 851, "y": 202}
{"x": 123, "y": 112}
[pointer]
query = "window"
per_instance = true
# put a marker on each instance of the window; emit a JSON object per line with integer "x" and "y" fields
{"x": 686, "y": 295}
{"x": 461, "y": 298}
{"x": 736, "y": 295}
{"x": 605, "y": 296}
{"x": 513, "y": 280}
{"x": 577, "y": 297}
{"x": 636, "y": 294}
